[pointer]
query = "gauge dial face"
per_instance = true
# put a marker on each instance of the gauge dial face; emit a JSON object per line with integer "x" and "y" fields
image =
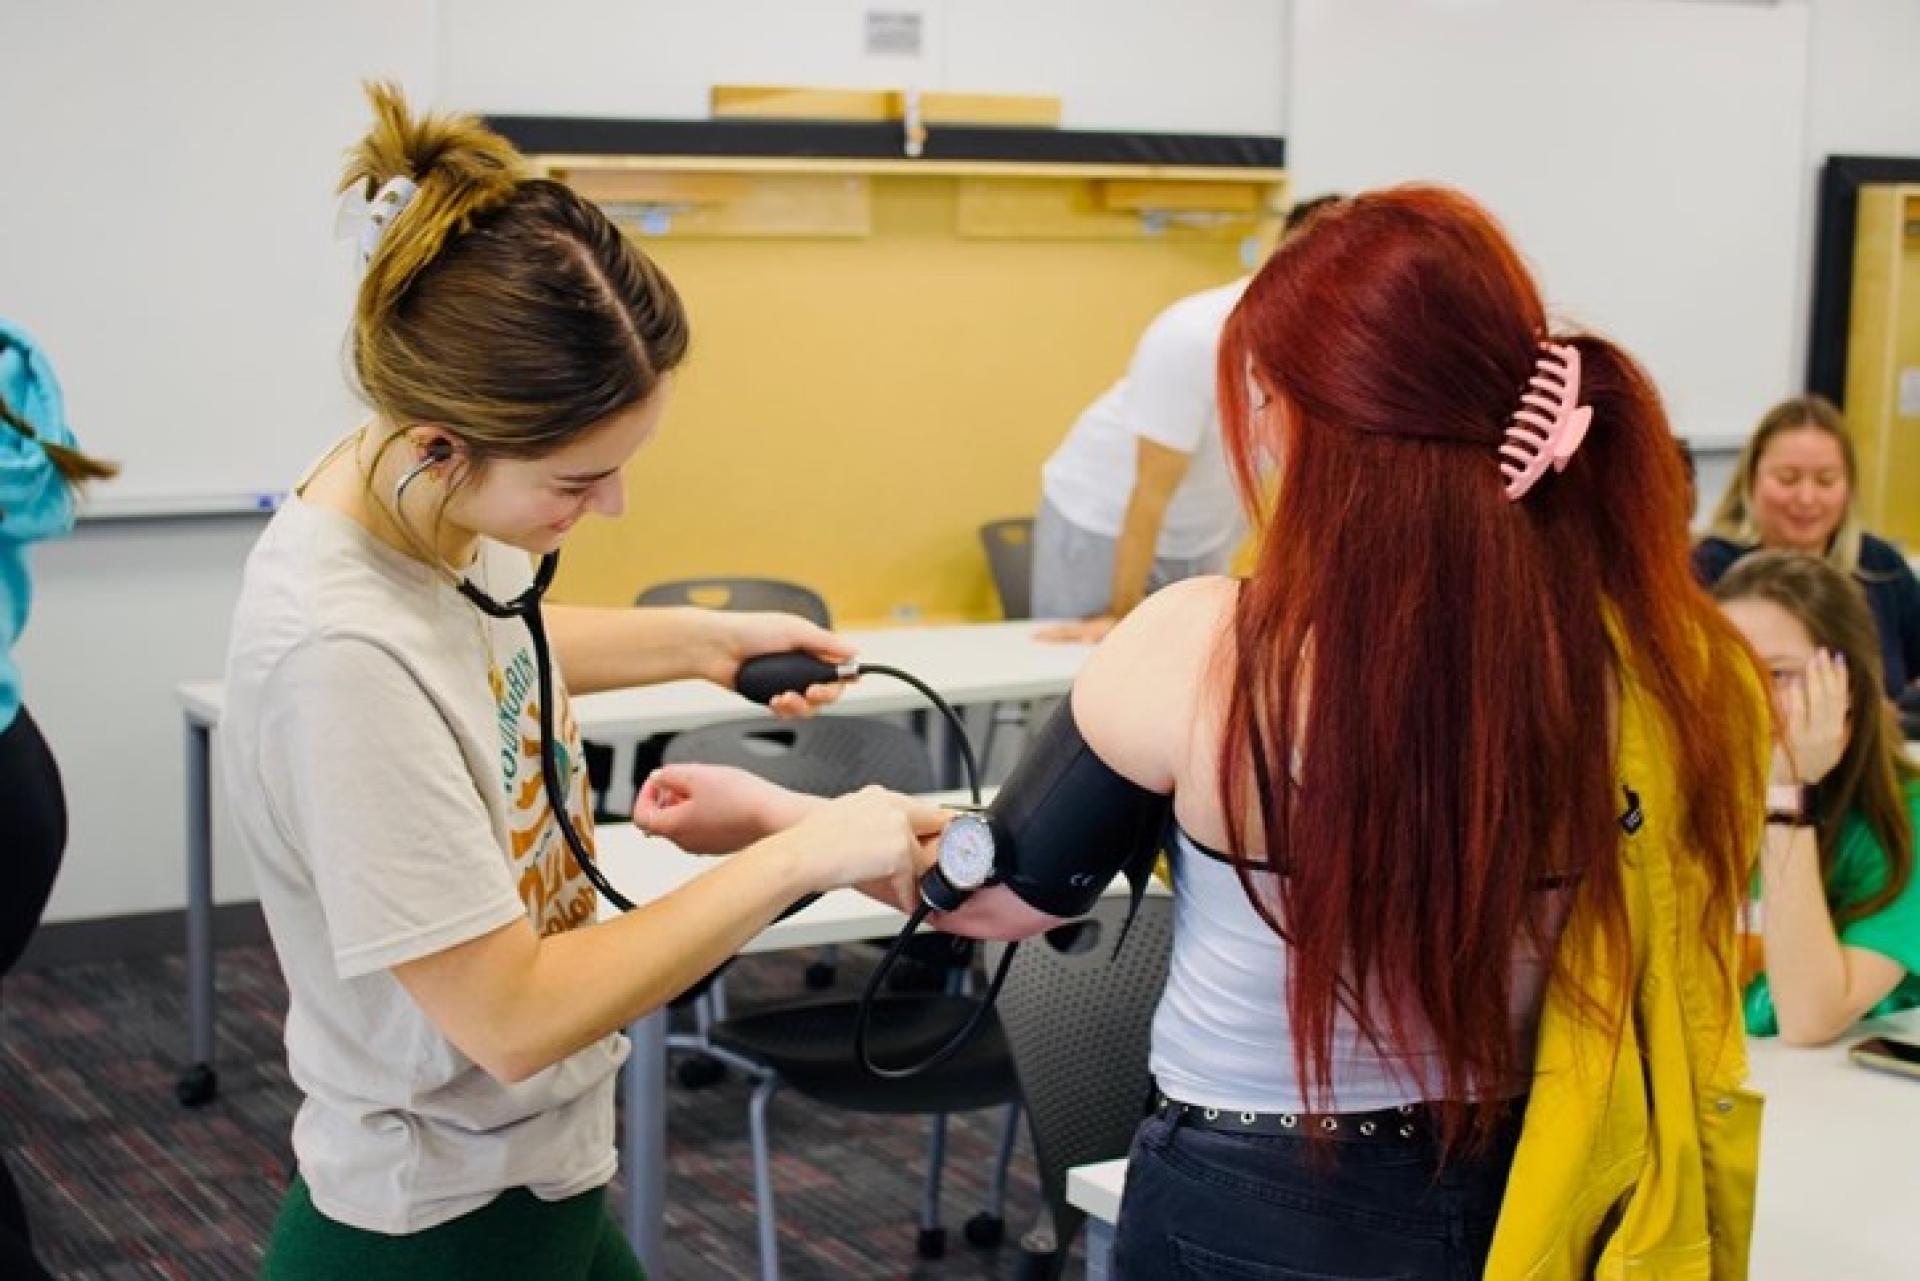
{"x": 967, "y": 852}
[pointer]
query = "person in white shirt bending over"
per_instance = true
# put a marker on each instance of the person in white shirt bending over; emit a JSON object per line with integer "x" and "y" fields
{"x": 1138, "y": 496}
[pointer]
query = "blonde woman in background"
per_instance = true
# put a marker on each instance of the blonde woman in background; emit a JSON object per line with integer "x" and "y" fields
{"x": 1793, "y": 490}
{"x": 1840, "y": 904}
{"x": 454, "y": 1009}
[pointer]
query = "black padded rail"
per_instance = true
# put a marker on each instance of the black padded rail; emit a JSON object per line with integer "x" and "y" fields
{"x": 882, "y": 140}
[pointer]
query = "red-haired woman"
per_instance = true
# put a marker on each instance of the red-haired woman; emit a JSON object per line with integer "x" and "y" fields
{"x": 1396, "y": 750}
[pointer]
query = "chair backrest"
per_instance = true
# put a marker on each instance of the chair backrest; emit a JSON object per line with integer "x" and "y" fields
{"x": 825, "y": 756}
{"x": 739, "y": 594}
{"x": 1009, "y": 545}
{"x": 1078, "y": 1019}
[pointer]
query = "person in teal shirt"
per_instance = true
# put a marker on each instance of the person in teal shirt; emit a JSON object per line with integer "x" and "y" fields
{"x": 1839, "y": 900}
{"x": 40, "y": 469}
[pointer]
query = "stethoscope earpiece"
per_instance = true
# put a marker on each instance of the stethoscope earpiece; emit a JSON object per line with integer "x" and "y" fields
{"x": 435, "y": 454}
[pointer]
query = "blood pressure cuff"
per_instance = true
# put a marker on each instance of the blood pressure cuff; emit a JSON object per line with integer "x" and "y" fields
{"x": 1068, "y": 824}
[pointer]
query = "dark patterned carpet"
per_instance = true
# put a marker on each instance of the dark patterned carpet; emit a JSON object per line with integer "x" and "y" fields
{"x": 122, "y": 1183}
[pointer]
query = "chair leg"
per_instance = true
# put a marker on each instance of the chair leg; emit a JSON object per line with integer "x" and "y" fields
{"x": 1003, "y": 1160}
{"x": 700, "y": 1069}
{"x": 763, "y": 1176}
{"x": 932, "y": 1242}
{"x": 823, "y": 969}
{"x": 1013, "y": 715}
{"x": 988, "y": 1228}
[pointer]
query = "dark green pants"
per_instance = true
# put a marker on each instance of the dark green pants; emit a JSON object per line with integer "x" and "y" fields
{"x": 514, "y": 1237}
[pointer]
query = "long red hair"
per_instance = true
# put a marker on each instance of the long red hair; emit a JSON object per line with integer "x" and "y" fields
{"x": 1432, "y": 662}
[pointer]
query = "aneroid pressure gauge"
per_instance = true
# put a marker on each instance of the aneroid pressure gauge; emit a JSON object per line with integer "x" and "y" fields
{"x": 969, "y": 853}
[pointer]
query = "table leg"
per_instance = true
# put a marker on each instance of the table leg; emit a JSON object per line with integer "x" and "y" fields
{"x": 644, "y": 1091}
{"x": 620, "y": 788}
{"x": 1099, "y": 1250}
{"x": 199, "y": 1083}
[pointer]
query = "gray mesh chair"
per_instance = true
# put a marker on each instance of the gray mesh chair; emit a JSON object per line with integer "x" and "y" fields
{"x": 823, "y": 756}
{"x": 1071, "y": 1002}
{"x": 808, "y": 1047}
{"x": 1009, "y": 546}
{"x": 740, "y": 594}
{"x": 736, "y": 594}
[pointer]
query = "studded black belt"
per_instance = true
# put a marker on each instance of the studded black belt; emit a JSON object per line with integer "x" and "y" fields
{"x": 1408, "y": 1124}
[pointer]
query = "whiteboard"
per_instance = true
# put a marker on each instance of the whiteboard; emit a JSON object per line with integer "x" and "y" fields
{"x": 1647, "y": 157}
{"x": 167, "y": 226}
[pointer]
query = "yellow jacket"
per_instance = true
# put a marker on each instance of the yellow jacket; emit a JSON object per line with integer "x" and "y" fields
{"x": 1637, "y": 1158}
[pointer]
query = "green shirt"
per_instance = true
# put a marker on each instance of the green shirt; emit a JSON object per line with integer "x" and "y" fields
{"x": 1859, "y": 871}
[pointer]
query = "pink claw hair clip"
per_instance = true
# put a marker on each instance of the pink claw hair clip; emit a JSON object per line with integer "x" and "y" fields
{"x": 1550, "y": 423}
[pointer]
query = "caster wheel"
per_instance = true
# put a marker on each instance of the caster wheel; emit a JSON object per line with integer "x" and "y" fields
{"x": 197, "y": 1086}
{"x": 986, "y": 1230}
{"x": 820, "y": 976}
{"x": 932, "y": 1243}
{"x": 698, "y": 1074}
{"x": 1033, "y": 1265}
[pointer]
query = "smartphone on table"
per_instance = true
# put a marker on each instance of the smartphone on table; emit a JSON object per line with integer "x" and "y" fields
{"x": 1885, "y": 1054}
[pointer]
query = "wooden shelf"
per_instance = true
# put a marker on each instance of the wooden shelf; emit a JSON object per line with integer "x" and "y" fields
{"x": 569, "y": 168}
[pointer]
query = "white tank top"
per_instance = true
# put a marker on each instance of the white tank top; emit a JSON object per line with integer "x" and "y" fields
{"x": 1222, "y": 1037}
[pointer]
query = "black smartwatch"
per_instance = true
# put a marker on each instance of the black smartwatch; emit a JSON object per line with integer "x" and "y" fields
{"x": 1792, "y": 805}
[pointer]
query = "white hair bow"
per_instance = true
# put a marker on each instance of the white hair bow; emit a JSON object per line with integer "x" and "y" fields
{"x": 368, "y": 219}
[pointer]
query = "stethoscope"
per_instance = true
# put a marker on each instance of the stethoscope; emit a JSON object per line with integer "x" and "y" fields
{"x": 760, "y": 679}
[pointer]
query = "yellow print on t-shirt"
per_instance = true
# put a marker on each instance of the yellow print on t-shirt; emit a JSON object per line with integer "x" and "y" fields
{"x": 558, "y": 896}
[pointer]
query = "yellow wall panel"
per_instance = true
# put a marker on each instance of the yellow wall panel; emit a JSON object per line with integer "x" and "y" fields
{"x": 854, "y": 410}
{"x": 1899, "y": 462}
{"x": 1883, "y": 350}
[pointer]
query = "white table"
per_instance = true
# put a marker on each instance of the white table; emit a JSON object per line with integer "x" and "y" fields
{"x": 1839, "y": 1192}
{"x": 969, "y": 663}
{"x": 646, "y": 868}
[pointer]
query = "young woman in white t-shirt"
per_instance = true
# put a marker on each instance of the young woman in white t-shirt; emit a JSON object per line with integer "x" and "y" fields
{"x": 454, "y": 1009}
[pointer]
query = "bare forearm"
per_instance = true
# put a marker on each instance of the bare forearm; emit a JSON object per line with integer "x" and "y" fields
{"x": 600, "y": 649}
{"x": 584, "y": 984}
{"x": 995, "y": 913}
{"x": 1158, "y": 472}
{"x": 1133, "y": 555}
{"x": 1815, "y": 989}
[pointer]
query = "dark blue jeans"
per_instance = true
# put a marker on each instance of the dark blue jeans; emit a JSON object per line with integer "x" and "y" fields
{"x": 1200, "y": 1204}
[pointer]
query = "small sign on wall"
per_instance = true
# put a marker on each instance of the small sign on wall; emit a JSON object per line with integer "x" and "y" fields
{"x": 894, "y": 33}
{"x": 1910, "y": 392}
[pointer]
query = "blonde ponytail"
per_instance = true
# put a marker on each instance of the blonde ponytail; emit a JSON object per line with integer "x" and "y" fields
{"x": 462, "y": 169}
{"x": 505, "y": 310}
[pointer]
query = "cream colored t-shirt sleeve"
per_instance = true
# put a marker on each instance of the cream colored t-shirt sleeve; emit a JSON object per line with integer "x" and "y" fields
{"x": 369, "y": 786}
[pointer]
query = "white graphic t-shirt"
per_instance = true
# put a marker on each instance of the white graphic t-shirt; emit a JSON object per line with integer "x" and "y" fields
{"x": 380, "y": 755}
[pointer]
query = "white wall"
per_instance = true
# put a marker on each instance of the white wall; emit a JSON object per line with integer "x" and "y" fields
{"x": 125, "y": 611}
{"x": 122, "y": 613}
{"x": 169, "y": 222}
{"x": 1644, "y": 155}
{"x": 1202, "y": 66}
